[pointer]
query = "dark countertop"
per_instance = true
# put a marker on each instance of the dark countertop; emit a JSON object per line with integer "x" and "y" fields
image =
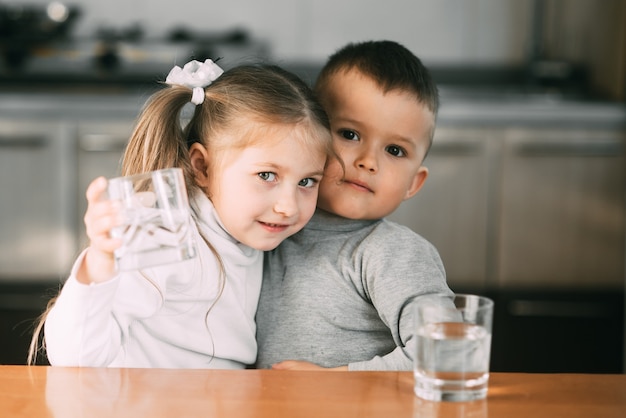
{"x": 458, "y": 107}
{"x": 540, "y": 110}
{"x": 475, "y": 95}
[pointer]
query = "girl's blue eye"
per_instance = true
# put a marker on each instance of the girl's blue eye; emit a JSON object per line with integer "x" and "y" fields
{"x": 308, "y": 182}
{"x": 396, "y": 151}
{"x": 349, "y": 134}
{"x": 267, "y": 176}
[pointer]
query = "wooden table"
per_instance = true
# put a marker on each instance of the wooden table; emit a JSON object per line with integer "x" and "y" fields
{"x": 41, "y": 391}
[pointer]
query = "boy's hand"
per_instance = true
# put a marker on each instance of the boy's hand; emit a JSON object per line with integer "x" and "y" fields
{"x": 304, "y": 365}
{"x": 101, "y": 216}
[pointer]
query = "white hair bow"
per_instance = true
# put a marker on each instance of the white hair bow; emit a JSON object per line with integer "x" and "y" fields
{"x": 196, "y": 75}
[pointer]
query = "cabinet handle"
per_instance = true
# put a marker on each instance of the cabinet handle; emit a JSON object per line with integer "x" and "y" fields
{"x": 25, "y": 142}
{"x": 102, "y": 143}
{"x": 571, "y": 149}
{"x": 455, "y": 148}
{"x": 559, "y": 309}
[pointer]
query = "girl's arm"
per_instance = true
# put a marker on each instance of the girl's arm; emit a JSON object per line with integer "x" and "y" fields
{"x": 80, "y": 329}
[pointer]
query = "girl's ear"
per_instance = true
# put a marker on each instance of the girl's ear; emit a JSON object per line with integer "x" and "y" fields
{"x": 417, "y": 182}
{"x": 199, "y": 157}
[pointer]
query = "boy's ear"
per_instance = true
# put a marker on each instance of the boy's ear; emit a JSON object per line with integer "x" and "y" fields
{"x": 417, "y": 182}
{"x": 199, "y": 158}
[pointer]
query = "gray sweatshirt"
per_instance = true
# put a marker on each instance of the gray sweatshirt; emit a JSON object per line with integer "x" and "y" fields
{"x": 338, "y": 293}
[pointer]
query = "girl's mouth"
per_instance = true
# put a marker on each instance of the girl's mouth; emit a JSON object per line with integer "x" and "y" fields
{"x": 274, "y": 227}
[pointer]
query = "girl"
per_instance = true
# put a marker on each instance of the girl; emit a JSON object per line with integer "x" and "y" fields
{"x": 252, "y": 154}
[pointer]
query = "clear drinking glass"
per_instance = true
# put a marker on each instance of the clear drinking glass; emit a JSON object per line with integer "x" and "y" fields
{"x": 157, "y": 220}
{"x": 453, "y": 346}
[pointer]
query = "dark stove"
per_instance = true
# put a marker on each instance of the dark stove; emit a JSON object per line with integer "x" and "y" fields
{"x": 101, "y": 62}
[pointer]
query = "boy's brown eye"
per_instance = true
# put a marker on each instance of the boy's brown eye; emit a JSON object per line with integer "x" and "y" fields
{"x": 348, "y": 134}
{"x": 395, "y": 151}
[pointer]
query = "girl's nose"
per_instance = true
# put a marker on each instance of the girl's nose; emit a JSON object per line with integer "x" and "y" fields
{"x": 286, "y": 204}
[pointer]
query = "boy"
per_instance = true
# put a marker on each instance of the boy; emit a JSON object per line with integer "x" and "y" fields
{"x": 337, "y": 294}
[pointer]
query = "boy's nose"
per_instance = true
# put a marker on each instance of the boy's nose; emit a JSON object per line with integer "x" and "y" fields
{"x": 367, "y": 160}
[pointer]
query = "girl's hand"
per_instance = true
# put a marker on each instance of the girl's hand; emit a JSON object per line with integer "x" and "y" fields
{"x": 304, "y": 365}
{"x": 101, "y": 216}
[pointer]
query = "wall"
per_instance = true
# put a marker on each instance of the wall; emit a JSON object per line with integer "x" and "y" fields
{"x": 440, "y": 31}
{"x": 592, "y": 32}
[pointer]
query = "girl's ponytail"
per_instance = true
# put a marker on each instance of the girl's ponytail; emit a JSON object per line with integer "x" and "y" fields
{"x": 157, "y": 141}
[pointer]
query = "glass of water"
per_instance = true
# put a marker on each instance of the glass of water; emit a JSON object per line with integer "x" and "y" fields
{"x": 453, "y": 346}
{"x": 157, "y": 220}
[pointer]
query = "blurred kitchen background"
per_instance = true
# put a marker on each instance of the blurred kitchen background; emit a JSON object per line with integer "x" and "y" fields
{"x": 526, "y": 199}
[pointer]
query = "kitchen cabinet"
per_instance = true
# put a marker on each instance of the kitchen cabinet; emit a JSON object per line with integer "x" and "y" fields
{"x": 562, "y": 209}
{"x": 37, "y": 209}
{"x": 52, "y": 146}
{"x": 21, "y": 305}
{"x": 558, "y": 331}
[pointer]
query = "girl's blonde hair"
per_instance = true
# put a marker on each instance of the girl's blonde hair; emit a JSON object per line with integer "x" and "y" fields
{"x": 246, "y": 100}
{"x": 241, "y": 100}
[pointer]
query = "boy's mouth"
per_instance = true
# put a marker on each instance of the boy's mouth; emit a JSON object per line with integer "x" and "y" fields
{"x": 358, "y": 185}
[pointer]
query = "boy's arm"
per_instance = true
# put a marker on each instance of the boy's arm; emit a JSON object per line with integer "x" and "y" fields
{"x": 304, "y": 365}
{"x": 403, "y": 266}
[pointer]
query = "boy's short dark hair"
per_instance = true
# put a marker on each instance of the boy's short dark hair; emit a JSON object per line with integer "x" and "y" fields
{"x": 389, "y": 64}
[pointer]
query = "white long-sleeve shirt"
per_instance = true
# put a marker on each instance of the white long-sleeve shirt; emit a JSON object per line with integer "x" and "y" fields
{"x": 165, "y": 316}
